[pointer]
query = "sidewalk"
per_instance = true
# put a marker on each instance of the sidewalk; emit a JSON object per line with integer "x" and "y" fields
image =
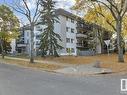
{"x": 88, "y": 69}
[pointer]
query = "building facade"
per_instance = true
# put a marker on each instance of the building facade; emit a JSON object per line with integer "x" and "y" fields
{"x": 72, "y": 29}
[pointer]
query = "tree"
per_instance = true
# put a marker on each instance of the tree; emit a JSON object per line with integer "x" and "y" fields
{"x": 49, "y": 39}
{"x": 9, "y": 25}
{"x": 32, "y": 15}
{"x": 118, "y": 9}
{"x": 101, "y": 23}
{"x": 105, "y": 19}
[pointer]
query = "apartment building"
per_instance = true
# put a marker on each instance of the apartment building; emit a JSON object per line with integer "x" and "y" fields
{"x": 72, "y": 30}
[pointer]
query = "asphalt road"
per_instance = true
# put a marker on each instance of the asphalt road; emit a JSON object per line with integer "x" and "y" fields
{"x": 21, "y": 81}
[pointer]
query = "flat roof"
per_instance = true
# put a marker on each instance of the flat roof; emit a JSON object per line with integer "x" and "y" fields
{"x": 63, "y": 12}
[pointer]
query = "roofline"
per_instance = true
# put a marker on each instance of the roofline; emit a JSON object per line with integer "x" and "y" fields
{"x": 63, "y": 12}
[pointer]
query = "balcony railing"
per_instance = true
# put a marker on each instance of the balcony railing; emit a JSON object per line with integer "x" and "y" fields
{"x": 80, "y": 45}
{"x": 21, "y": 45}
{"x": 80, "y": 35}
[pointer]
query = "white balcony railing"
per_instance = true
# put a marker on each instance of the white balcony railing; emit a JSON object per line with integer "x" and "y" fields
{"x": 80, "y": 35}
{"x": 80, "y": 45}
{"x": 21, "y": 45}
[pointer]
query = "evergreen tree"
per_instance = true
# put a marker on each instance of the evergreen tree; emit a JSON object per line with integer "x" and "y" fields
{"x": 49, "y": 39}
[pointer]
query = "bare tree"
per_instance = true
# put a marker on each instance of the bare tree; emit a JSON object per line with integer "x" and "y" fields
{"x": 32, "y": 15}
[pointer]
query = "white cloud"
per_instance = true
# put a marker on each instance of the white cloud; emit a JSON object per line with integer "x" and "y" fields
{"x": 65, "y": 4}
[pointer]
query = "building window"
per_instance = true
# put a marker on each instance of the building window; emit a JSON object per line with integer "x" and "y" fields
{"x": 37, "y": 42}
{"x": 68, "y": 40}
{"x": 72, "y": 50}
{"x": 67, "y": 29}
{"x": 72, "y": 30}
{"x": 67, "y": 18}
{"x": 68, "y": 50}
{"x": 72, "y": 40}
{"x": 38, "y": 37}
{"x": 72, "y": 20}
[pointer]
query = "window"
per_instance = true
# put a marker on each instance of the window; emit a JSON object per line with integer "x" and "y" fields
{"x": 67, "y": 29}
{"x": 38, "y": 37}
{"x": 72, "y": 40}
{"x": 72, "y": 50}
{"x": 72, "y": 30}
{"x": 37, "y": 42}
{"x": 68, "y": 40}
{"x": 67, "y": 18}
{"x": 68, "y": 50}
{"x": 72, "y": 20}
{"x": 44, "y": 29}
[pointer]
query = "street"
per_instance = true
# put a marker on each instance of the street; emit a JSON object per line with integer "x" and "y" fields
{"x": 16, "y": 80}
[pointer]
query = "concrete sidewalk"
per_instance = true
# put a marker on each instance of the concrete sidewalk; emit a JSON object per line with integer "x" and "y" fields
{"x": 87, "y": 69}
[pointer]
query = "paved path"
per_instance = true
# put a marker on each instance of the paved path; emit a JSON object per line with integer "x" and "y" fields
{"x": 83, "y": 70}
{"x": 20, "y": 81}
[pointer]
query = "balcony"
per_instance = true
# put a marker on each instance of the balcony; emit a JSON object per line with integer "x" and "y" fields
{"x": 87, "y": 27}
{"x": 80, "y": 35}
{"x": 21, "y": 45}
{"x": 80, "y": 45}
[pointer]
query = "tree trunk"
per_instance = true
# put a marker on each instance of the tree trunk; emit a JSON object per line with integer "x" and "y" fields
{"x": 32, "y": 43}
{"x": 2, "y": 49}
{"x": 119, "y": 40}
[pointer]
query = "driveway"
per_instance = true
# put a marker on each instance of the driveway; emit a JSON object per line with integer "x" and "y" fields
{"x": 16, "y": 80}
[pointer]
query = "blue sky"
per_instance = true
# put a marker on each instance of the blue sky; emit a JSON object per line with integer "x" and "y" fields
{"x": 2, "y": 1}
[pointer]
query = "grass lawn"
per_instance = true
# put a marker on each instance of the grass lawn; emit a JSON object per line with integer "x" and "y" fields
{"x": 110, "y": 61}
{"x": 44, "y": 66}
